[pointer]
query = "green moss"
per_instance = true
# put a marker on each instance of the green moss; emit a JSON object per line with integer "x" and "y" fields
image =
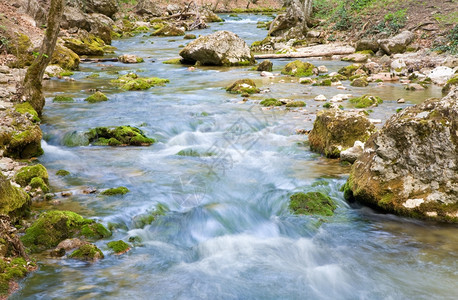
{"x": 369, "y": 52}
{"x": 93, "y": 75}
{"x": 96, "y": 97}
{"x": 271, "y": 102}
{"x": 66, "y": 73}
{"x": 327, "y": 105}
{"x": 62, "y": 173}
{"x": 174, "y": 61}
{"x": 312, "y": 203}
{"x": 295, "y": 104}
{"x": 52, "y": 227}
{"x": 38, "y": 182}
{"x": 366, "y": 101}
{"x": 118, "y": 246}
{"x": 168, "y": 30}
{"x": 25, "y": 144}
{"x": 450, "y": 83}
{"x": 115, "y": 191}
{"x": 13, "y": 201}
{"x": 94, "y": 231}
{"x": 325, "y": 82}
{"x": 194, "y": 153}
{"x": 132, "y": 82}
{"x": 243, "y": 86}
{"x": 86, "y": 45}
{"x": 298, "y": 68}
{"x": 189, "y": 36}
{"x": 348, "y": 71}
{"x": 359, "y": 82}
{"x": 142, "y": 220}
{"x": 63, "y": 99}
{"x": 25, "y": 175}
{"x": 88, "y": 252}
{"x": 11, "y": 270}
{"x": 24, "y": 108}
{"x": 121, "y": 135}
{"x": 65, "y": 58}
{"x": 20, "y": 46}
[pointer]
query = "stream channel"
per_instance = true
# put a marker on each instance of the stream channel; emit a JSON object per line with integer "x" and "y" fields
{"x": 227, "y": 232}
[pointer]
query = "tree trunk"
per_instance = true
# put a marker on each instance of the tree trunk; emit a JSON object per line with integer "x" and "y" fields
{"x": 32, "y": 81}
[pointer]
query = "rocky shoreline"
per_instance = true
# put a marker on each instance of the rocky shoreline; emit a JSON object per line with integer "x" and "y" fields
{"x": 89, "y": 32}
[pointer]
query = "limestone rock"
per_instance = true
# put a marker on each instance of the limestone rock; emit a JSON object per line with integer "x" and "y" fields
{"x": 356, "y": 57}
{"x": 219, "y": 48}
{"x": 351, "y": 154}
{"x": 105, "y": 7}
{"x": 441, "y": 75}
{"x": 266, "y": 65}
{"x": 148, "y": 7}
{"x": 410, "y": 167}
{"x": 335, "y": 130}
{"x": 366, "y": 44}
{"x": 130, "y": 59}
{"x": 398, "y": 43}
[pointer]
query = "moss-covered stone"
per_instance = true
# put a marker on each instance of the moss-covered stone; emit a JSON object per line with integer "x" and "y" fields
{"x": 12, "y": 269}
{"x": 265, "y": 65}
{"x": 65, "y": 58}
{"x": 96, "y": 97}
{"x": 118, "y": 247}
{"x": 271, "y": 102}
{"x": 324, "y": 82}
{"x": 38, "y": 182}
{"x": 86, "y": 45}
{"x": 26, "y": 108}
{"x": 52, "y": 227}
{"x": 63, "y": 99}
{"x": 25, "y": 144}
{"x": 13, "y": 201}
{"x": 88, "y": 252}
{"x": 173, "y": 61}
{"x": 348, "y": 71}
{"x": 295, "y": 104}
{"x": 142, "y": 220}
{"x": 366, "y": 101}
{"x": 132, "y": 82}
{"x": 62, "y": 173}
{"x": 359, "y": 82}
{"x": 125, "y": 135}
{"x": 189, "y": 36}
{"x": 115, "y": 191}
{"x": 312, "y": 203}
{"x": 194, "y": 153}
{"x": 450, "y": 83}
{"x": 335, "y": 130}
{"x": 26, "y": 174}
{"x": 168, "y": 30}
{"x": 20, "y": 46}
{"x": 298, "y": 68}
{"x": 243, "y": 86}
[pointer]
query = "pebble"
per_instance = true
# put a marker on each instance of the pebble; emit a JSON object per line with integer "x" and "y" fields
{"x": 401, "y": 100}
{"x": 320, "y": 98}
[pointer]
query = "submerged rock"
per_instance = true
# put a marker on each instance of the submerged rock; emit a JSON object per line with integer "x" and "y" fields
{"x": 87, "y": 252}
{"x": 335, "y": 130}
{"x": 115, "y": 191}
{"x": 118, "y": 136}
{"x": 312, "y": 203}
{"x": 119, "y": 247}
{"x": 133, "y": 82}
{"x": 265, "y": 65}
{"x": 96, "y": 97}
{"x": 410, "y": 167}
{"x": 52, "y": 227}
{"x": 366, "y": 101}
{"x": 222, "y": 48}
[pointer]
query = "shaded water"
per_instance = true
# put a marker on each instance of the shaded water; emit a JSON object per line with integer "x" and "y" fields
{"x": 228, "y": 233}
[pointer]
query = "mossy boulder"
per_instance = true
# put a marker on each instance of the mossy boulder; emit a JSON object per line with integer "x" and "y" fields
{"x": 12, "y": 269}
{"x": 21, "y": 47}
{"x": 168, "y": 30}
{"x": 62, "y": 173}
{"x": 410, "y": 166}
{"x": 96, "y": 97}
{"x": 295, "y": 104}
{"x": 25, "y": 143}
{"x": 26, "y": 174}
{"x": 13, "y": 201}
{"x": 349, "y": 71}
{"x": 324, "y": 82}
{"x": 133, "y": 82}
{"x": 189, "y": 36}
{"x": 26, "y": 108}
{"x": 88, "y": 252}
{"x": 265, "y": 65}
{"x": 298, "y": 68}
{"x": 173, "y": 61}
{"x": 65, "y": 58}
{"x": 117, "y": 136}
{"x": 452, "y": 82}
{"x": 115, "y": 191}
{"x": 86, "y": 45}
{"x": 312, "y": 203}
{"x": 63, "y": 99}
{"x": 39, "y": 183}
{"x": 271, "y": 102}
{"x": 335, "y": 130}
{"x": 366, "y": 101}
{"x": 243, "y": 86}
{"x": 52, "y": 227}
{"x": 142, "y": 220}
{"x": 359, "y": 82}
{"x": 119, "y": 247}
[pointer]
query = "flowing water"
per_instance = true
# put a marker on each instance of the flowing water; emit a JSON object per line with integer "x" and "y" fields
{"x": 227, "y": 232}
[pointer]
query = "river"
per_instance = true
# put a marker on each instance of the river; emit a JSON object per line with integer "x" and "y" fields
{"x": 227, "y": 232}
